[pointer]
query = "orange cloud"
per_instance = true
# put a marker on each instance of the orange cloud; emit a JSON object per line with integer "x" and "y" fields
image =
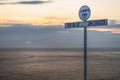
{"x": 112, "y": 30}
{"x": 50, "y": 20}
{"x": 116, "y": 31}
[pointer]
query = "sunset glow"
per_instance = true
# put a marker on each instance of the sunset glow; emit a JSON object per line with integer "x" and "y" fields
{"x": 54, "y": 12}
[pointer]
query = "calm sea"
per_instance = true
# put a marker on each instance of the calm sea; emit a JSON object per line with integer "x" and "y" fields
{"x": 58, "y": 64}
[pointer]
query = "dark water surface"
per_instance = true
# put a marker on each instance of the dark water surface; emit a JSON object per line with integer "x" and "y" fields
{"x": 58, "y": 65}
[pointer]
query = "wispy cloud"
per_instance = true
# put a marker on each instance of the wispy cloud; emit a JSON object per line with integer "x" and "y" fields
{"x": 56, "y": 20}
{"x": 30, "y": 2}
{"x": 112, "y": 30}
{"x": 49, "y": 20}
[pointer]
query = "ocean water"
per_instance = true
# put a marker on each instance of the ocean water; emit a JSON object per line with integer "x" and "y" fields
{"x": 35, "y": 64}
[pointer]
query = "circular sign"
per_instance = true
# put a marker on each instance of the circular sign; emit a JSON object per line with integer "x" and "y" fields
{"x": 84, "y": 13}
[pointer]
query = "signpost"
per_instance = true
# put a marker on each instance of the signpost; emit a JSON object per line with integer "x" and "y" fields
{"x": 84, "y": 14}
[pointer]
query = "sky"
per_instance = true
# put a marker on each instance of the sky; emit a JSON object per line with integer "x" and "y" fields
{"x": 40, "y": 24}
{"x": 55, "y": 12}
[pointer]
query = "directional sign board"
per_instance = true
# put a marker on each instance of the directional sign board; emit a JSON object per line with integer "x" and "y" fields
{"x": 76, "y": 25}
{"x": 98, "y": 22}
{"x": 86, "y": 23}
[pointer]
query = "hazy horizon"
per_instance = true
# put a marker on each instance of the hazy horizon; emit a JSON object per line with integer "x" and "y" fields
{"x": 31, "y": 36}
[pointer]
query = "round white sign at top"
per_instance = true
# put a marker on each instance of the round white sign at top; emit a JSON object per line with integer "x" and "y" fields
{"x": 84, "y": 13}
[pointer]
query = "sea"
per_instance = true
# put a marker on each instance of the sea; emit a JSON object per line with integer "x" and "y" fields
{"x": 59, "y": 64}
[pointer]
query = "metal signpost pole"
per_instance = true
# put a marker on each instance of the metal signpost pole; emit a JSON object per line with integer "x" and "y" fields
{"x": 85, "y": 53}
{"x": 84, "y": 14}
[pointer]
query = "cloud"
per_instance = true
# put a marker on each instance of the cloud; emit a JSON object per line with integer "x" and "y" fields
{"x": 56, "y": 20}
{"x": 33, "y": 2}
{"x": 30, "y": 36}
{"x": 27, "y": 2}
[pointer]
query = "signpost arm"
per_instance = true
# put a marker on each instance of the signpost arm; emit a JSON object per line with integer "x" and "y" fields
{"x": 85, "y": 53}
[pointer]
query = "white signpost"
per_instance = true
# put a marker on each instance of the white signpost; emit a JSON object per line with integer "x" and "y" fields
{"x": 84, "y": 14}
